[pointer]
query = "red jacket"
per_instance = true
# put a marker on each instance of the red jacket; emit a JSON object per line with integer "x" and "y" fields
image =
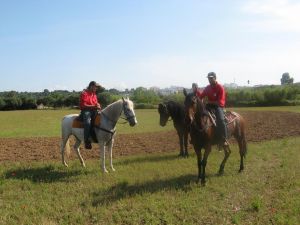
{"x": 88, "y": 98}
{"x": 198, "y": 93}
{"x": 215, "y": 93}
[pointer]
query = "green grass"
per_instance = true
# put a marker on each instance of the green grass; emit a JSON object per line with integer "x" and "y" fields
{"x": 46, "y": 123}
{"x": 157, "y": 189}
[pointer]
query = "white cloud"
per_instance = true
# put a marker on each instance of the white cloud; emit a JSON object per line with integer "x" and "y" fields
{"x": 274, "y": 15}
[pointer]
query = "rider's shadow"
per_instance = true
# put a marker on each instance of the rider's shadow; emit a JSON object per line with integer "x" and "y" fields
{"x": 47, "y": 174}
{"x": 124, "y": 190}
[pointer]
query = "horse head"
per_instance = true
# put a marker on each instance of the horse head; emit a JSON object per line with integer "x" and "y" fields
{"x": 194, "y": 108}
{"x": 128, "y": 110}
{"x": 190, "y": 105}
{"x": 163, "y": 113}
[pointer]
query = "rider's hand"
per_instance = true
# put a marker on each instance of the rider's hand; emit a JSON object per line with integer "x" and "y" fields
{"x": 98, "y": 106}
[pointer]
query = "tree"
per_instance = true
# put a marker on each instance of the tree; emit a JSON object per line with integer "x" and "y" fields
{"x": 286, "y": 79}
{"x": 2, "y": 103}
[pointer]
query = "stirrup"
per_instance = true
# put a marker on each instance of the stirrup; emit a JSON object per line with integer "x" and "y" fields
{"x": 87, "y": 145}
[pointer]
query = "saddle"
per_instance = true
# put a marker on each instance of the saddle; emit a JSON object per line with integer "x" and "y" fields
{"x": 96, "y": 121}
{"x": 229, "y": 116}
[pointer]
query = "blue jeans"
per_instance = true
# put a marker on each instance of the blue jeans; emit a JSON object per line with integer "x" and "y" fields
{"x": 87, "y": 116}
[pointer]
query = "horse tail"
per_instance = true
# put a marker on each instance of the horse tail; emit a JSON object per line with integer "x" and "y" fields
{"x": 244, "y": 145}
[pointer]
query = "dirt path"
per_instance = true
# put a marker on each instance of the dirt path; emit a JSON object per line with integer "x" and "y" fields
{"x": 260, "y": 126}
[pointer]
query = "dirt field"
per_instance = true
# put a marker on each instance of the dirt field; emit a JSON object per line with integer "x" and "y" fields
{"x": 260, "y": 126}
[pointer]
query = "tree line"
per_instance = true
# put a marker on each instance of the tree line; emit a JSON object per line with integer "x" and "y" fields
{"x": 274, "y": 95}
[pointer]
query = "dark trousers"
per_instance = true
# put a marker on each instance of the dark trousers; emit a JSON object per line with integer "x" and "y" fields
{"x": 221, "y": 122}
{"x": 87, "y": 116}
{"x": 220, "y": 116}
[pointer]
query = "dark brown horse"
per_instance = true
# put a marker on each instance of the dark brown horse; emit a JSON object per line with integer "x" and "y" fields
{"x": 177, "y": 113}
{"x": 203, "y": 133}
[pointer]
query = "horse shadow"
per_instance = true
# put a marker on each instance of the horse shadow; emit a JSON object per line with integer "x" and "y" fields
{"x": 147, "y": 159}
{"x": 124, "y": 190}
{"x": 46, "y": 174}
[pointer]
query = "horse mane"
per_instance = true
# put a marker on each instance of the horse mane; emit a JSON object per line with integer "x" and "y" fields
{"x": 112, "y": 105}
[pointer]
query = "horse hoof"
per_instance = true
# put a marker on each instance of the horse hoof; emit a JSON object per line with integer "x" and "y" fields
{"x": 113, "y": 169}
{"x": 66, "y": 165}
{"x": 203, "y": 183}
{"x": 105, "y": 171}
{"x": 241, "y": 170}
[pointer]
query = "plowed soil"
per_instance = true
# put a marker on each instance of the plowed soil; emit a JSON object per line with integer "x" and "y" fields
{"x": 260, "y": 126}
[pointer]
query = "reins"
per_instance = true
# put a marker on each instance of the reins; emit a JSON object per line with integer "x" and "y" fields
{"x": 127, "y": 118}
{"x": 194, "y": 122}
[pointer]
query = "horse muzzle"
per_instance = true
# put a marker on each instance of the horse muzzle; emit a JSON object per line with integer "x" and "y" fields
{"x": 162, "y": 123}
{"x": 132, "y": 122}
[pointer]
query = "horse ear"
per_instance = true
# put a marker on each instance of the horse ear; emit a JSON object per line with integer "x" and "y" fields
{"x": 184, "y": 92}
{"x": 123, "y": 99}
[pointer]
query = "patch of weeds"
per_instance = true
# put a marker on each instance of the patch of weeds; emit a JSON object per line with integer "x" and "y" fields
{"x": 257, "y": 204}
{"x": 236, "y": 219}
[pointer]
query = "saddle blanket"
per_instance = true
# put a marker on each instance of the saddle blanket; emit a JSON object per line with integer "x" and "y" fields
{"x": 78, "y": 123}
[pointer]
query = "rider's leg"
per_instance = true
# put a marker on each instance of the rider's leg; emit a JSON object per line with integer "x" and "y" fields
{"x": 86, "y": 115}
{"x": 221, "y": 123}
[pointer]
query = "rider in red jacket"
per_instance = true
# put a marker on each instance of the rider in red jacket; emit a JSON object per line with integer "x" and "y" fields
{"x": 216, "y": 95}
{"x": 89, "y": 105}
{"x": 196, "y": 90}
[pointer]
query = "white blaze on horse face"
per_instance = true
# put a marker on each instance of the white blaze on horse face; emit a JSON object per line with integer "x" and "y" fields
{"x": 130, "y": 112}
{"x": 191, "y": 114}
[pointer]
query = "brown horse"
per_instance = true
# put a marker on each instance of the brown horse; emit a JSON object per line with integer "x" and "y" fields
{"x": 203, "y": 133}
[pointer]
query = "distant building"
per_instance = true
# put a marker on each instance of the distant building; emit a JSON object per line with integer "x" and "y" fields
{"x": 231, "y": 85}
{"x": 171, "y": 90}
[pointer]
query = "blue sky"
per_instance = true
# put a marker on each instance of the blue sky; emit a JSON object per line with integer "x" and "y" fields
{"x": 64, "y": 44}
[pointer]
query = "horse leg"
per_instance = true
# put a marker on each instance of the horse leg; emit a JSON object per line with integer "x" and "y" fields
{"x": 65, "y": 145}
{"x": 227, "y": 153}
{"x": 204, "y": 162}
{"x": 110, "y": 147}
{"x": 185, "y": 141}
{"x": 76, "y": 148}
{"x": 180, "y": 136}
{"x": 102, "y": 153}
{"x": 199, "y": 159}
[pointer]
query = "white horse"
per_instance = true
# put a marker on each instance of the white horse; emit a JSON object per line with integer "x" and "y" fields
{"x": 105, "y": 130}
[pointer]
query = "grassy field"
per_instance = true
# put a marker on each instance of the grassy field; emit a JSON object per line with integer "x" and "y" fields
{"x": 46, "y": 123}
{"x": 157, "y": 189}
{"x": 148, "y": 189}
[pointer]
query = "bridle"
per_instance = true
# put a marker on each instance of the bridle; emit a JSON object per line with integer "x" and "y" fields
{"x": 194, "y": 121}
{"x": 126, "y": 113}
{"x": 166, "y": 112}
{"x": 114, "y": 122}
